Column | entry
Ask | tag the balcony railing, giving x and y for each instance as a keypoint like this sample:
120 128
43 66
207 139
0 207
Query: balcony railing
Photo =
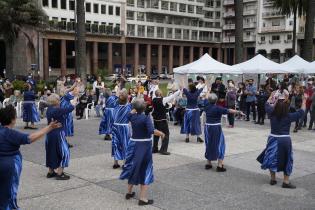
250 12
274 14
273 29
249 25
229 14
229 27
228 2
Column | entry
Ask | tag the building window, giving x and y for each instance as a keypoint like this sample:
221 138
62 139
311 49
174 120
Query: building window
149 18
199 10
182 7
150 31
110 10
140 3
130 29
88 7
276 23
140 16
95 8
194 35
141 30
178 33
130 15
247 33
173 6
289 37
130 3
217 15
191 8
160 32
117 11
63 4
165 5
45 3
276 38
72 5
291 23
262 39
186 34
154 4
54 3
169 33
218 3
103 9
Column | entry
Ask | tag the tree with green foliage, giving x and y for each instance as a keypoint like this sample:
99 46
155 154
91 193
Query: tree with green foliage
16 16
308 43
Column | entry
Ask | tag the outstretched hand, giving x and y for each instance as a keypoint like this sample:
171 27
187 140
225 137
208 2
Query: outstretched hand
133 111
162 135
55 124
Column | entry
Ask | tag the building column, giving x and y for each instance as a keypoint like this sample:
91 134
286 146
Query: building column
63 58
46 60
170 59
191 54
219 54
123 57
136 59
148 64
281 56
245 55
110 57
210 51
95 58
225 55
160 59
200 51
181 55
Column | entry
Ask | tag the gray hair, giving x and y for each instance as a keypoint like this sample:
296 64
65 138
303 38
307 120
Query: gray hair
139 105
53 99
107 92
213 98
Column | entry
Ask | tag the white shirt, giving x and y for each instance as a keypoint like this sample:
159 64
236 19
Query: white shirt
204 91
97 86
153 88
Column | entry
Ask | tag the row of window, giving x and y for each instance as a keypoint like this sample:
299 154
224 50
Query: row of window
97 9
165 5
56 19
276 38
177 33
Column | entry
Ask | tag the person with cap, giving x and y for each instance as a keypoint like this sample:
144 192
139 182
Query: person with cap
107 120
278 154
30 114
120 128
138 168
214 137
160 105
192 124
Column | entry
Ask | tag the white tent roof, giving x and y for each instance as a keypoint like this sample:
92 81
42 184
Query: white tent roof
260 65
206 65
311 68
296 64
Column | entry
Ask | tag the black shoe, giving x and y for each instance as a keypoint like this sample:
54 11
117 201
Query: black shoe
107 138
295 130
51 175
247 120
155 150
176 123
273 182
79 118
130 195
187 140
115 166
221 169
26 127
32 128
199 140
304 126
164 153
288 186
257 122
143 203
208 166
62 176
70 145
262 123
310 128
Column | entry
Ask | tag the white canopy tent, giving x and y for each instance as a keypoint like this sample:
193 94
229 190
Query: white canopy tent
311 68
206 65
261 65
297 64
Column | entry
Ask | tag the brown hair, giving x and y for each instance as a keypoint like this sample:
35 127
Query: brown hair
281 109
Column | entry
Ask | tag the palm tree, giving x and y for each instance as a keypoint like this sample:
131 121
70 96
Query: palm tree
238 31
15 17
307 50
81 40
288 8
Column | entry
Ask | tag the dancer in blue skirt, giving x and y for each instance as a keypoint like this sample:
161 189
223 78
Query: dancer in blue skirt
120 128
138 168
30 114
57 149
192 124
214 137
65 103
10 156
278 155
107 120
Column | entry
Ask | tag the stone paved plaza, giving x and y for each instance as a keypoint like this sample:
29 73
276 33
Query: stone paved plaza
180 179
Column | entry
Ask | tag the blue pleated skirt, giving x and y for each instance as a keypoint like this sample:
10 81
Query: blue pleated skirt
30 113
107 122
10 171
191 123
120 140
278 155
215 142
57 150
138 168
68 125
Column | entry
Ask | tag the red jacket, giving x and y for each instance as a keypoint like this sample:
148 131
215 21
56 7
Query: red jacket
309 92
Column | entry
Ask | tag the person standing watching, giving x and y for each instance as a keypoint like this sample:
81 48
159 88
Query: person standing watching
250 99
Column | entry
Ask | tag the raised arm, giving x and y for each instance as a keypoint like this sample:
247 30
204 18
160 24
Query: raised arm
171 97
39 134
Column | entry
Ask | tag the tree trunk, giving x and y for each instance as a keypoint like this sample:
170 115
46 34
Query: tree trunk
238 31
9 60
81 40
307 50
294 32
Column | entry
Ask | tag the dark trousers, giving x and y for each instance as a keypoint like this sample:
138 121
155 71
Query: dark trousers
231 119
250 105
80 109
179 115
163 127
261 112
303 121
312 121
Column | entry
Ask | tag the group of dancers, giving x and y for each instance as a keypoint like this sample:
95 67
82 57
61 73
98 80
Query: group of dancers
131 129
